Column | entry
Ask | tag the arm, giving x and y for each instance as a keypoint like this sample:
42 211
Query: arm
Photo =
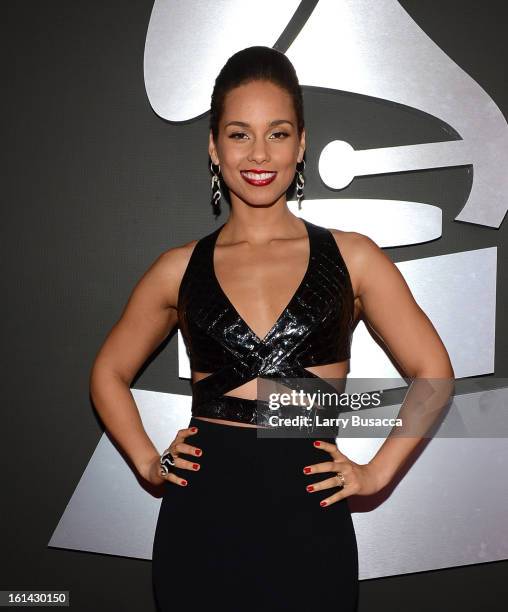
396 318
147 319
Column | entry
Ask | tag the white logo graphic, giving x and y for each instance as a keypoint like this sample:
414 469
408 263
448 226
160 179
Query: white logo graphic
372 48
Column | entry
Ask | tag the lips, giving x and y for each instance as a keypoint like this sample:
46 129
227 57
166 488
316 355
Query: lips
259 178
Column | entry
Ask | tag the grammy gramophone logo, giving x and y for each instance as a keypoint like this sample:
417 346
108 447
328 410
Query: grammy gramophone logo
370 48
344 46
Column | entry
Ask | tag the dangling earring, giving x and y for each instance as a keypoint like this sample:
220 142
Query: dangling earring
299 185
216 191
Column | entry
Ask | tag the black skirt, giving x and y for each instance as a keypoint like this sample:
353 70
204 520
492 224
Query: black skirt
245 535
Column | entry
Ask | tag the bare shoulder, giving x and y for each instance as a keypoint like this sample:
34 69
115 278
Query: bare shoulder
355 245
176 258
161 281
169 267
357 250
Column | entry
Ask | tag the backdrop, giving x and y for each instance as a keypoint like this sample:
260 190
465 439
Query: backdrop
104 175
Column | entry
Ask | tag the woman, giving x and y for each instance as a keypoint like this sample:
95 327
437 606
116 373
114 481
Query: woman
262 523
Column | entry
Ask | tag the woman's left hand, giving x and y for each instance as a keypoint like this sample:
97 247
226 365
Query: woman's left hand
359 479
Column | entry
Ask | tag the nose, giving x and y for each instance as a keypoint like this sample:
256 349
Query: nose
258 152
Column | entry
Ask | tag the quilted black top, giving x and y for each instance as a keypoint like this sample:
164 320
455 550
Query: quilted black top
314 329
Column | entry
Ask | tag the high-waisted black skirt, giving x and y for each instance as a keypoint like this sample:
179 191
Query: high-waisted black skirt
244 535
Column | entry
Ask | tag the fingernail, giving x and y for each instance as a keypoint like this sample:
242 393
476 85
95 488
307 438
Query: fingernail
310 488
198 452
307 470
323 503
183 482
317 443
195 466
193 429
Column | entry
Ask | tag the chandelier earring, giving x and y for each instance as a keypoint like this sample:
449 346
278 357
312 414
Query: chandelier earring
216 190
300 182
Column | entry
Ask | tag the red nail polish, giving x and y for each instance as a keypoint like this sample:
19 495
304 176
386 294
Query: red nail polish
183 482
323 503
193 429
310 488
198 452
317 443
195 466
306 470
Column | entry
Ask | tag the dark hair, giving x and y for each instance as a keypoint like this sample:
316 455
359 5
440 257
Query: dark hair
255 64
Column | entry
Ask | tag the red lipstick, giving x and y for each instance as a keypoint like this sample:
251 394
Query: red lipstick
267 176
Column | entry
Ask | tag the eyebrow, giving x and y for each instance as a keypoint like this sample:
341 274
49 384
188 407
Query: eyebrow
272 123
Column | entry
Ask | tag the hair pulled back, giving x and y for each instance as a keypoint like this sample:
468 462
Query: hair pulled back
255 64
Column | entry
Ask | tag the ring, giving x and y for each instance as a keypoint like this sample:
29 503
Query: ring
340 476
167 460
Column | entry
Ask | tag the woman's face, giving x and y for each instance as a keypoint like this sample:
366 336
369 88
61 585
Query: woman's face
258 131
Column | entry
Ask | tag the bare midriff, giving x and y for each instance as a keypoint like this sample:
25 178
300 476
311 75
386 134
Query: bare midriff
249 389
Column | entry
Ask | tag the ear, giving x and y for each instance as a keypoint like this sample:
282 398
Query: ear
301 146
212 151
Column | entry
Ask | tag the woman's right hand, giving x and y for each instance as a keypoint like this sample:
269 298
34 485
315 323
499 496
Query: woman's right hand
177 446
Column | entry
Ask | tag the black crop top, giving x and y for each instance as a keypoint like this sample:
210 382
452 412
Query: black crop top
314 329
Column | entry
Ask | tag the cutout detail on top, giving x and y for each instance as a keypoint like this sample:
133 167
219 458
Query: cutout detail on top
247 390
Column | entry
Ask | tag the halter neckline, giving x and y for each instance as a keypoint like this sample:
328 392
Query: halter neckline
291 301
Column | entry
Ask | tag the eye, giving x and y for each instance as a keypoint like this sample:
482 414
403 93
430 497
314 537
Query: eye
234 134
283 133
239 135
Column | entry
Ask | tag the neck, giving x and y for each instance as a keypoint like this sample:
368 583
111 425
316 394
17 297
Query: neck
260 224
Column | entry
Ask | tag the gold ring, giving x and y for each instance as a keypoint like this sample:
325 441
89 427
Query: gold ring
340 476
